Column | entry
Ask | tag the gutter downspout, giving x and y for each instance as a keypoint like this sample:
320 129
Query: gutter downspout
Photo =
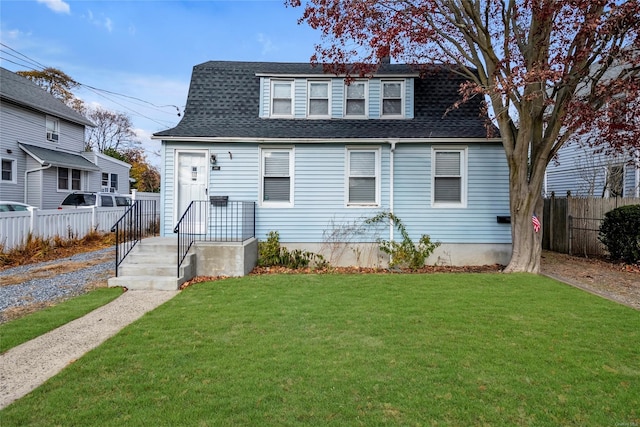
391 186
26 180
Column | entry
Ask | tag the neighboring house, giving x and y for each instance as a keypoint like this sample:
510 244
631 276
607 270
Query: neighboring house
587 173
41 148
318 156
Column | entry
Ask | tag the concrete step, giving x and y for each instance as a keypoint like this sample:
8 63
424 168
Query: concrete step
136 257
150 267
135 268
155 283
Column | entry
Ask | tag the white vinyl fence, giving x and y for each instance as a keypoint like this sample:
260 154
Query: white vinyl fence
48 223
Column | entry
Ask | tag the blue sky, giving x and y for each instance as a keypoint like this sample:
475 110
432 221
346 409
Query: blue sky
146 49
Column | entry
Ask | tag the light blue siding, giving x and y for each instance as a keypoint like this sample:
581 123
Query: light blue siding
374 98
408 102
488 196
300 98
319 192
337 98
264 98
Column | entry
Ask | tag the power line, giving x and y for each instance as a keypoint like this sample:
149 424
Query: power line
33 61
96 90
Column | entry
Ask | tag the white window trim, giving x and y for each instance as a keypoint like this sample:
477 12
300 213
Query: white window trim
14 171
464 170
269 204
366 101
319 116
272 83
403 96
56 129
377 150
69 178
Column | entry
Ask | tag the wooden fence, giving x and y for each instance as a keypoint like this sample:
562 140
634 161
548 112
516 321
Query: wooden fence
571 225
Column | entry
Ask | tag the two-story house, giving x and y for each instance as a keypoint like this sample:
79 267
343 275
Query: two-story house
42 148
320 154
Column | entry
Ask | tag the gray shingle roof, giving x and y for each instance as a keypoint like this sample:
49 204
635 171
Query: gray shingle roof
223 101
58 158
22 91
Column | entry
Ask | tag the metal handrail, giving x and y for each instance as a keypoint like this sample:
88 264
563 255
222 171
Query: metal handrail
215 220
138 221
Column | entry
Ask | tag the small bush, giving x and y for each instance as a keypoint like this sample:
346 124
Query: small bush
405 253
270 253
620 233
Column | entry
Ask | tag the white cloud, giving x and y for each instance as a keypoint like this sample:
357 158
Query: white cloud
267 44
105 22
58 6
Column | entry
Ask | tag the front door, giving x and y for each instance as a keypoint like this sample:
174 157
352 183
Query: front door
192 186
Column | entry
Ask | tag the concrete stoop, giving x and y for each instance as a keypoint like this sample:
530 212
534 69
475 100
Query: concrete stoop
152 265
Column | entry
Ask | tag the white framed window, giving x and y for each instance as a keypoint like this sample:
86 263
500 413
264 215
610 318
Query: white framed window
282 98
449 177
393 98
69 179
277 177
109 181
9 171
363 176
355 99
318 98
53 129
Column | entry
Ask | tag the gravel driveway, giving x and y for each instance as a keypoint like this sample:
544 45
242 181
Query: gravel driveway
42 283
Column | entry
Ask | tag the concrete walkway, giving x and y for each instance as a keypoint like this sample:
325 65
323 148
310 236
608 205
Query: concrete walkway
27 366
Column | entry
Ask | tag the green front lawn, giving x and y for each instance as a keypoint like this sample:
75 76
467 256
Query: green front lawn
439 349
21 330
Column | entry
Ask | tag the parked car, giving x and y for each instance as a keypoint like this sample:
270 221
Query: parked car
15 207
89 199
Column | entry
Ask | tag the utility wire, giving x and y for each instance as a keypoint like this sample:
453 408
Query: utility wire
39 67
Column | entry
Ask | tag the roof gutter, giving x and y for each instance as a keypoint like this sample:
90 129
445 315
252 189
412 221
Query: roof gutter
321 140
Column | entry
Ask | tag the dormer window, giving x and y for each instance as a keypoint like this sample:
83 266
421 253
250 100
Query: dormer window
282 98
392 99
53 129
356 99
318 105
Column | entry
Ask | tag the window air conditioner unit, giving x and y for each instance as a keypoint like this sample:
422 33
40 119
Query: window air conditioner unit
105 189
52 136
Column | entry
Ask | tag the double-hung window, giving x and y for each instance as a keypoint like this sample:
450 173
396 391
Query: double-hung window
392 98
355 99
110 181
318 103
69 179
8 171
449 177
363 175
53 129
282 98
277 176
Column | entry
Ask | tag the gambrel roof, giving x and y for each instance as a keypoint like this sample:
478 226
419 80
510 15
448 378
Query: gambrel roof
22 91
224 101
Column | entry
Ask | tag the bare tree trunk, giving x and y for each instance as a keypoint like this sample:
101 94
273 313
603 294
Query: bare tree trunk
526 243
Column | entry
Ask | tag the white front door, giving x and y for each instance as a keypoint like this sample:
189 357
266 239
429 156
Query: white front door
191 186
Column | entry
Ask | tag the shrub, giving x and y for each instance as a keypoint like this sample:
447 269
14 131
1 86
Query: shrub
405 253
620 233
270 253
